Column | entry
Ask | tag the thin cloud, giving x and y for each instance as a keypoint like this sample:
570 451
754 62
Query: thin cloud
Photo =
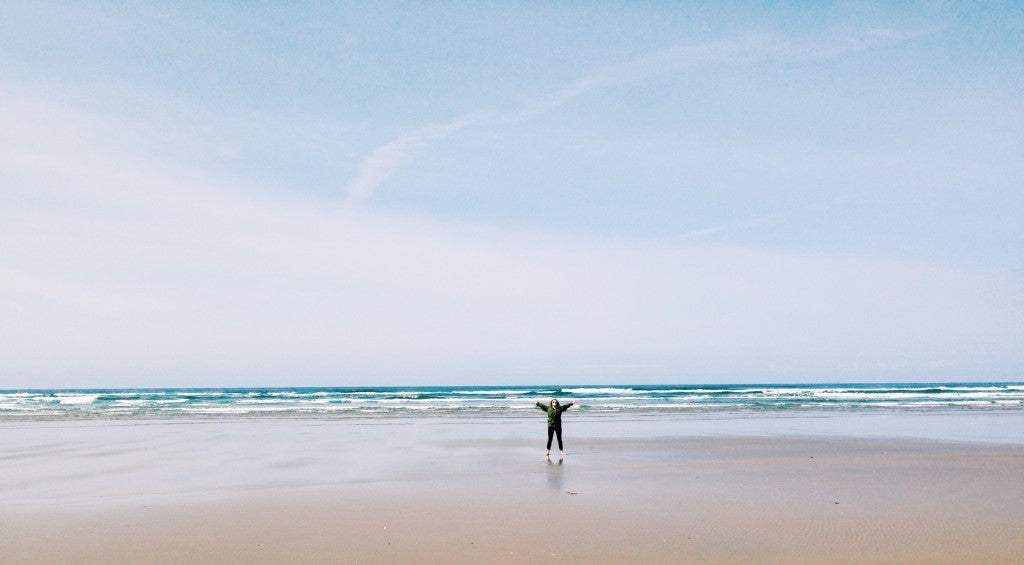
377 167
759 220
703 232
734 49
739 49
381 163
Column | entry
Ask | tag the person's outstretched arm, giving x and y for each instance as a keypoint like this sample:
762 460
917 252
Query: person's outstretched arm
540 406
565 407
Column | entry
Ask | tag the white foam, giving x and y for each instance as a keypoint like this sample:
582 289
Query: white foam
77 398
492 392
148 401
597 390
248 409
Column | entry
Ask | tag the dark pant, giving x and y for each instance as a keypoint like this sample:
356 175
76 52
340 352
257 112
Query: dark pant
557 430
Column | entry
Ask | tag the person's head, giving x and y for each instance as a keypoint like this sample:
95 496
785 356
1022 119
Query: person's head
554 403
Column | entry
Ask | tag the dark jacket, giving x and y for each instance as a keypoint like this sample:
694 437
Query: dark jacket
554 414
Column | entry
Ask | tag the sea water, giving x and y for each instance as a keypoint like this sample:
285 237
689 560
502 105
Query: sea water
510 401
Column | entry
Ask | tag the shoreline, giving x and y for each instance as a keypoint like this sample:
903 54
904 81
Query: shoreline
301 491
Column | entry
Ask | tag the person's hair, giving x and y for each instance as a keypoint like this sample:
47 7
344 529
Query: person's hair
555 401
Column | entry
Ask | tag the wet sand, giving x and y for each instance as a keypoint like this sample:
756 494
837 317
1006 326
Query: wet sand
340 492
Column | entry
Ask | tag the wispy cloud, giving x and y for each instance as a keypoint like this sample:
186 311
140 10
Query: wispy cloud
774 217
734 50
382 162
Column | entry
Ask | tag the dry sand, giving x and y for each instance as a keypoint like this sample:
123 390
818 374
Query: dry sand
667 500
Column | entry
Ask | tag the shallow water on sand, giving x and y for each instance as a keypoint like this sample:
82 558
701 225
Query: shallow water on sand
84 462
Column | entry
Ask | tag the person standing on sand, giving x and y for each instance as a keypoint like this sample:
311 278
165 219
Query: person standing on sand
554 411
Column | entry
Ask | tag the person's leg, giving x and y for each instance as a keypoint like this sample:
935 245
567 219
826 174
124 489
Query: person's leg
551 432
558 432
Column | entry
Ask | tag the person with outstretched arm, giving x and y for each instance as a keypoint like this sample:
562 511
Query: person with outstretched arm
554 410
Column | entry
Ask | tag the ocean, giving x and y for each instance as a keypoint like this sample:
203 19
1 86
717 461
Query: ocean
509 401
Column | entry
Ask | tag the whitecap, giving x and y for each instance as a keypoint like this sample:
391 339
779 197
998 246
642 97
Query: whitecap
77 398
597 390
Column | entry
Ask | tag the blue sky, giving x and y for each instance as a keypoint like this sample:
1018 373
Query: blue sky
238 194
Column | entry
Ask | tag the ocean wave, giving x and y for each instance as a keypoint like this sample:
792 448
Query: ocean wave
585 391
510 400
76 398
488 392
149 401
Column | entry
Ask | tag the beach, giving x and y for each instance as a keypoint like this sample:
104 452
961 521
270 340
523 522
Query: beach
480 490
297 282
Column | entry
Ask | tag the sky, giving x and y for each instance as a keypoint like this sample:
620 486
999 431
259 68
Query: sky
347 194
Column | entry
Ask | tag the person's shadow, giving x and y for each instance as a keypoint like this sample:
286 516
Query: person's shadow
556 480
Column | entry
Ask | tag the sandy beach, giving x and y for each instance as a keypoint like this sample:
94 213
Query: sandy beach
297 282
442 492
